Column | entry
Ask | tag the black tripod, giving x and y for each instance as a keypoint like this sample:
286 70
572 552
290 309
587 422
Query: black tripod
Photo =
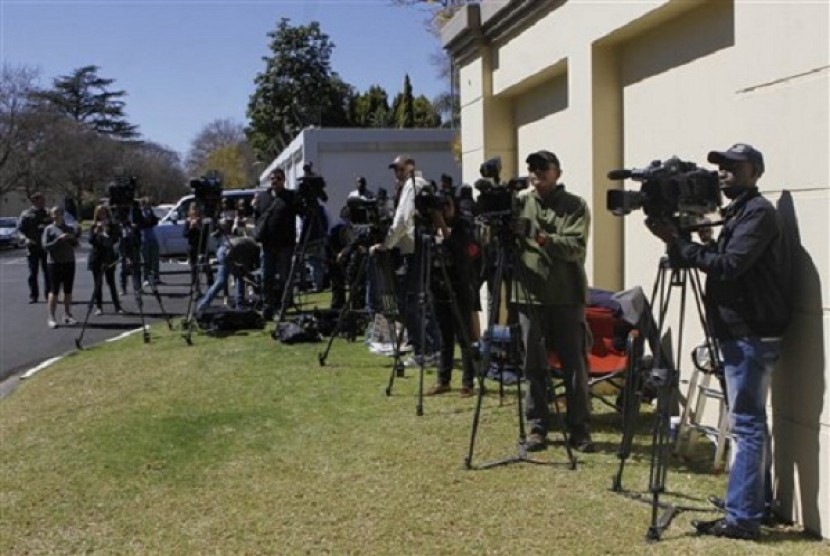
429 255
664 380
507 258
311 220
202 264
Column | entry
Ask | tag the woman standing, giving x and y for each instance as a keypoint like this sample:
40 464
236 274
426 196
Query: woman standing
103 236
59 241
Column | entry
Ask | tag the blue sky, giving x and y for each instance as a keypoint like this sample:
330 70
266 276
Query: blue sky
185 63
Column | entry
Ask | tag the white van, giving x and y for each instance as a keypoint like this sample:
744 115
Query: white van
170 230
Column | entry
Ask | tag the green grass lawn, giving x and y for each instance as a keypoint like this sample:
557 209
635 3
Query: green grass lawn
242 445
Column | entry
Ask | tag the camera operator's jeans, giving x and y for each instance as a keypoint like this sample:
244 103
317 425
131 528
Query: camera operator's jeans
426 339
748 364
559 327
223 272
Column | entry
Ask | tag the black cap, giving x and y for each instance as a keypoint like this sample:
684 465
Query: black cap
740 152
542 159
361 181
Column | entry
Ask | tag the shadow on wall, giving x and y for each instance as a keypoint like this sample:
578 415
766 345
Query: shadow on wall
798 390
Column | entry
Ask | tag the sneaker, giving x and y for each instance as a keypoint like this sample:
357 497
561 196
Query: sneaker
99 312
418 360
536 442
439 389
722 528
770 519
52 323
69 320
119 310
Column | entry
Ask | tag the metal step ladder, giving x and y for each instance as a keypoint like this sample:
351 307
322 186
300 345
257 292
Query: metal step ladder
703 388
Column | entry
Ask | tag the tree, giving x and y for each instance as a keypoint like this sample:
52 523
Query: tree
372 108
424 113
158 169
222 146
297 88
16 118
85 97
403 106
439 11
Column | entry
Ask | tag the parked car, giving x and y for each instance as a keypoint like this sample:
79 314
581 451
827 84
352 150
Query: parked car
161 210
8 233
170 230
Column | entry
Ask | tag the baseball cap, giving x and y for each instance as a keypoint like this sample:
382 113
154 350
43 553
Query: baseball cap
542 160
401 160
361 181
740 152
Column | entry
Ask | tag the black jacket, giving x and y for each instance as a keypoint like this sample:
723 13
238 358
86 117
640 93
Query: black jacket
280 228
748 271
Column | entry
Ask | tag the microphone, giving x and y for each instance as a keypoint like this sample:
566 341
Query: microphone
619 174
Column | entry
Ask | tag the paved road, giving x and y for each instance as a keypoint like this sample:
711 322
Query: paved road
26 340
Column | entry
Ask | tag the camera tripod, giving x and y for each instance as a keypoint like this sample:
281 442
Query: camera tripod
310 220
664 379
202 266
507 258
384 292
428 256
131 257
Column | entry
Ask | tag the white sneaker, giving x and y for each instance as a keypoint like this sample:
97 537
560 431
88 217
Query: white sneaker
99 312
415 360
68 320
52 323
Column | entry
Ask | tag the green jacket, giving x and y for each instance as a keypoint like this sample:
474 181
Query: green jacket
554 272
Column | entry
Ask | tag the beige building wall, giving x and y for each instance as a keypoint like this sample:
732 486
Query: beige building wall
617 84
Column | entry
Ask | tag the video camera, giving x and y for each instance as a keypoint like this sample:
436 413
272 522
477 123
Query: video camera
495 199
208 190
122 192
430 198
674 189
312 188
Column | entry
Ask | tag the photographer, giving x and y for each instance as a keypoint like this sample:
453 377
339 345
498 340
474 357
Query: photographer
401 235
362 191
129 246
31 224
276 229
224 268
453 247
550 292
748 287
103 235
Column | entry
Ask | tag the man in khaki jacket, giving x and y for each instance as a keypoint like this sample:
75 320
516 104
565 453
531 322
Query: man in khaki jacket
549 290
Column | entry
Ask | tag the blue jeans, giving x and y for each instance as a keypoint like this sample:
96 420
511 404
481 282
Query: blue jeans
223 272
748 364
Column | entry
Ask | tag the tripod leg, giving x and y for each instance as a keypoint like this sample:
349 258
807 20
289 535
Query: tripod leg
397 366
344 311
80 337
154 288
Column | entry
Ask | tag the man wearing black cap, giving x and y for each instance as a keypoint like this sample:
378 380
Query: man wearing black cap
31 224
748 285
549 290
401 234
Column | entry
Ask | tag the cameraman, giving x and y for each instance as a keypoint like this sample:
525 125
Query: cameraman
549 291
748 285
276 212
149 243
31 224
401 234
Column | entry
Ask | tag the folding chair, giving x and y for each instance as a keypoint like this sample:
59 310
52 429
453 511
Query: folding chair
614 358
